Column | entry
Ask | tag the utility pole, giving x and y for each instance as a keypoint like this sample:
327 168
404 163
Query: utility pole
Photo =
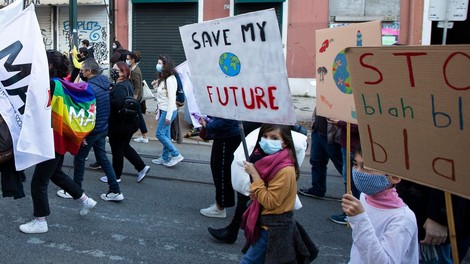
73 23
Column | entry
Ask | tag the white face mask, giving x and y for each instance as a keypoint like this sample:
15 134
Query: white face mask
270 146
114 46
128 62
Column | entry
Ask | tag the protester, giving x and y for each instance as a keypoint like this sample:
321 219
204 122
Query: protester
166 86
225 134
91 50
52 169
354 141
90 73
77 58
241 181
383 227
323 148
273 235
133 59
119 53
121 129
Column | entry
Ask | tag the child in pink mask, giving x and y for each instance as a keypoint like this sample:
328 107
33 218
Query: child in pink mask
384 229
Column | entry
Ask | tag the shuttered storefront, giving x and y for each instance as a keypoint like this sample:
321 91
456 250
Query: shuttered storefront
92 24
246 6
155 31
43 14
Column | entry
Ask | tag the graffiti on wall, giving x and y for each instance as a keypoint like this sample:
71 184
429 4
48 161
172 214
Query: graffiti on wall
95 33
47 41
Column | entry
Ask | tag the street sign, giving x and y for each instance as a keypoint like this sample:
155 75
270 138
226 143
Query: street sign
451 10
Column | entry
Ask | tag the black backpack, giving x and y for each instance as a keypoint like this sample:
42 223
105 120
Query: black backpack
180 97
6 142
129 107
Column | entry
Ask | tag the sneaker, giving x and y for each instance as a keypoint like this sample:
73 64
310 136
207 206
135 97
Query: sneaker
173 161
142 173
95 166
105 179
88 204
111 196
64 194
141 139
213 211
310 193
339 219
34 227
158 161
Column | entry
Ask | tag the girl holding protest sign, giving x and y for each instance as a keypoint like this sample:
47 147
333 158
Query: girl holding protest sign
273 235
384 228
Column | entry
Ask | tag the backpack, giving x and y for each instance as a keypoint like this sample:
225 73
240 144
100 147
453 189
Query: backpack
6 142
180 97
129 107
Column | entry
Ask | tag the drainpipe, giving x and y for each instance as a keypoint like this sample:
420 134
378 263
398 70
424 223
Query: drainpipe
73 22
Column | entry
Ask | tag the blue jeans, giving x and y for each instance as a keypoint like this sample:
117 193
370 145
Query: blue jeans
163 134
355 192
320 153
257 252
443 254
98 142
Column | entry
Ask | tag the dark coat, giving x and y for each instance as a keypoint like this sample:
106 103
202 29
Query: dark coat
100 86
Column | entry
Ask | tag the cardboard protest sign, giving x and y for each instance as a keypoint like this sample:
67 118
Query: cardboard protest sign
413 109
334 87
238 69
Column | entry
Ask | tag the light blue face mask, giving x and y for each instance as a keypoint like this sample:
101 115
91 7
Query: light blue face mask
369 183
159 67
270 146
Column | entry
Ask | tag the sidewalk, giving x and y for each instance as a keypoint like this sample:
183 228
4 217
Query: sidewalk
303 106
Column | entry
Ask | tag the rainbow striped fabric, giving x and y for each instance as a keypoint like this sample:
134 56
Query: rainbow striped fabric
73 114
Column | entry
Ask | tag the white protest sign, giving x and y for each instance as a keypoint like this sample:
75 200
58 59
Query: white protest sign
24 86
238 69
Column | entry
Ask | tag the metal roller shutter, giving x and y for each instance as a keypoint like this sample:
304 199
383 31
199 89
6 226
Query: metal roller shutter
92 25
242 8
43 14
156 32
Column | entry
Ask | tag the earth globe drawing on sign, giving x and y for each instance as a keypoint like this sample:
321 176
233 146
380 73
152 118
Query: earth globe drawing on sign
229 64
341 74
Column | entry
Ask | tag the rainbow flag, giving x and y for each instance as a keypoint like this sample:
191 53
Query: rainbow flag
73 114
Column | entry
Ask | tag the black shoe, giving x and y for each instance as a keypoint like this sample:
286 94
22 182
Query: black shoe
95 166
224 234
310 193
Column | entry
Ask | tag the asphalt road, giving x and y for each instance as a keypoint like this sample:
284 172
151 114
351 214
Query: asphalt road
159 220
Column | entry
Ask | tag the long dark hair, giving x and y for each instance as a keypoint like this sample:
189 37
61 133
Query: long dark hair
286 135
124 68
168 68
58 64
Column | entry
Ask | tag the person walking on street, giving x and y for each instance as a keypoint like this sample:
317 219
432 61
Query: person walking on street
91 50
166 86
90 73
226 138
52 169
122 128
133 59
324 147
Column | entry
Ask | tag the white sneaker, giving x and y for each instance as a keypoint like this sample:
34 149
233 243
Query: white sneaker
88 204
34 227
141 139
110 196
213 211
105 179
142 173
158 161
173 161
64 194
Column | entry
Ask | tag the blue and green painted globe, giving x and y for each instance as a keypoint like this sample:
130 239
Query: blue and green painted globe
229 64
341 73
